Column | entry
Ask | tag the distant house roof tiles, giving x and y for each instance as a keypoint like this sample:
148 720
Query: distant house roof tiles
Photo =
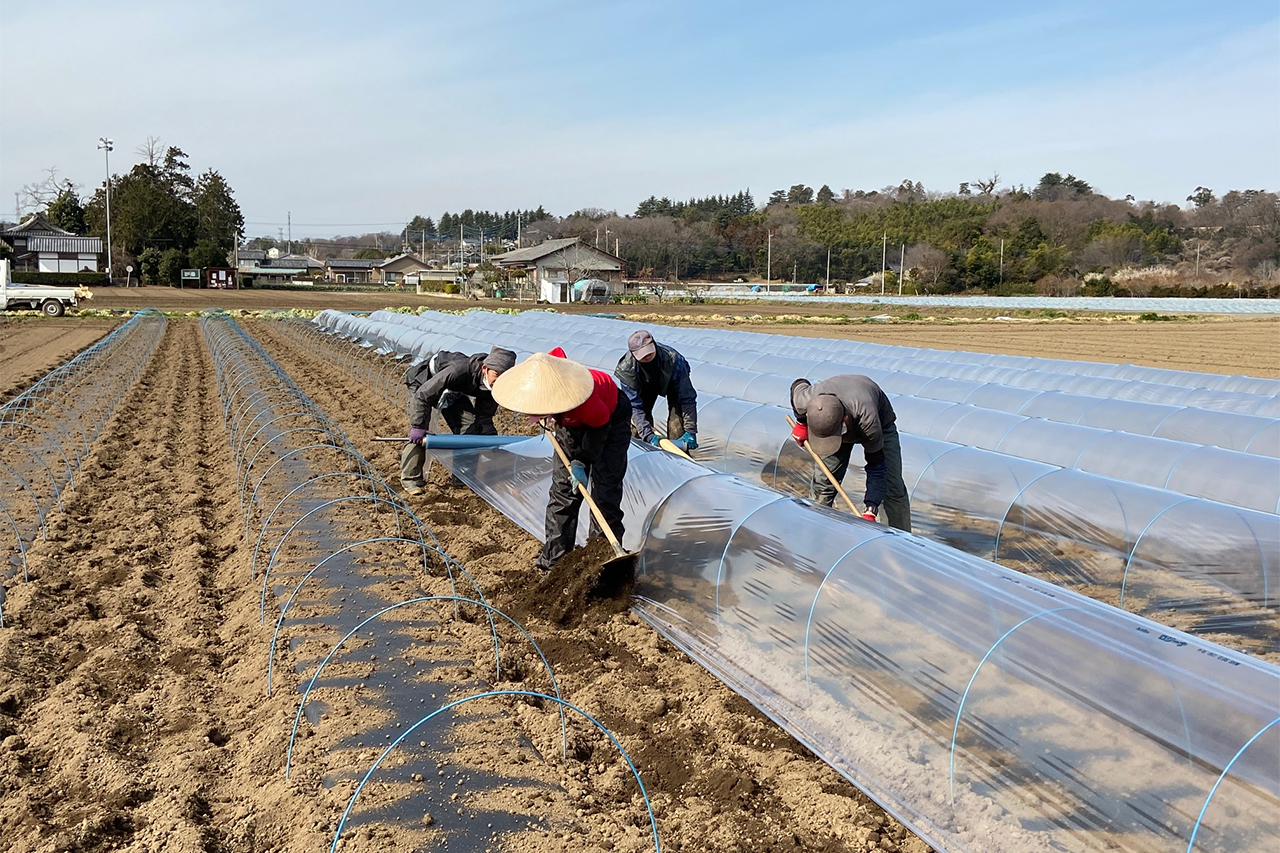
352 263
78 245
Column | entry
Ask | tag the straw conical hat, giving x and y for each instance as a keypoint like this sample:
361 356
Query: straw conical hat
543 385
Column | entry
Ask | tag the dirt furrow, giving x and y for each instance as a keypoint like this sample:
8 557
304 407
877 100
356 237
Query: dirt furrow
129 715
32 346
722 776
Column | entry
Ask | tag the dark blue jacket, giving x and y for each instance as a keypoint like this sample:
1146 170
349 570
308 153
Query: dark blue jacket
666 376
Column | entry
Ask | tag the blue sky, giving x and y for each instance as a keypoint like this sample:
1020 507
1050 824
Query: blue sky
360 116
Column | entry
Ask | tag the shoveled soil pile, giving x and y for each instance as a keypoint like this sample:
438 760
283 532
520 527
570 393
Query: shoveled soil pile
132 709
576 592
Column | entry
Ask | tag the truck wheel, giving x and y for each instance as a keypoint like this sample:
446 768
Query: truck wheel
52 308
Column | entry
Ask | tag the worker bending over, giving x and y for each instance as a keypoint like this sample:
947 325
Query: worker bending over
458 386
838 413
590 419
651 370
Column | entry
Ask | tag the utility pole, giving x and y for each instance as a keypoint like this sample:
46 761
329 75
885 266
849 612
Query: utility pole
828 267
597 238
884 248
1002 262
768 264
795 272
902 268
482 246
518 223
289 220
617 247
106 145
462 247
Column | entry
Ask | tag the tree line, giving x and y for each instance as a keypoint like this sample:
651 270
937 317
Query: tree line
162 217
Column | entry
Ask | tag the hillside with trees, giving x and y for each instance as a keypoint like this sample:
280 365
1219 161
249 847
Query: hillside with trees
1058 238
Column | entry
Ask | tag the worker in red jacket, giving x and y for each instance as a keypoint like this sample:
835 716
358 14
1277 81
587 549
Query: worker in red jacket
591 420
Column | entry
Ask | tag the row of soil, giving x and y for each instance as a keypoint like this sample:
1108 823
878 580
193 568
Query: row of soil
132 713
32 346
721 775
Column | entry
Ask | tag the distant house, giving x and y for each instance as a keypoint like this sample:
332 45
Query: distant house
304 262
247 259
40 245
555 265
350 270
394 270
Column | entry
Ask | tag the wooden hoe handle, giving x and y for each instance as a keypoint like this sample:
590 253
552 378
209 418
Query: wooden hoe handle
827 471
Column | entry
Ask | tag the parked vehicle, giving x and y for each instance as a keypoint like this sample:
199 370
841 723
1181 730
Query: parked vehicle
50 300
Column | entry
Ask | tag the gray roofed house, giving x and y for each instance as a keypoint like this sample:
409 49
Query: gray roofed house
38 244
555 265
305 262
350 270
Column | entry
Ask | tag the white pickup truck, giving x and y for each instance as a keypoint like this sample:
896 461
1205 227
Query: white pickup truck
50 300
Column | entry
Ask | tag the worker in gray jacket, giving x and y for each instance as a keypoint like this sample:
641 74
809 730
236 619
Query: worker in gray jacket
838 413
651 370
458 386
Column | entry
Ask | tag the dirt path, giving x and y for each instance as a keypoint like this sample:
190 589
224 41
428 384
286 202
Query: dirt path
722 776
32 346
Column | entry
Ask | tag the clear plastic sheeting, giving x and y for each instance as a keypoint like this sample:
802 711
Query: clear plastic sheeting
1033 433
1173 304
1121 541
907 370
987 710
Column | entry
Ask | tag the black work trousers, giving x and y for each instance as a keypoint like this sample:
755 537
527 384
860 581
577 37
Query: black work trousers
606 473
458 411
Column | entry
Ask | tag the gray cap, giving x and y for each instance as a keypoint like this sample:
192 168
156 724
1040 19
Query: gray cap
500 359
825 419
641 344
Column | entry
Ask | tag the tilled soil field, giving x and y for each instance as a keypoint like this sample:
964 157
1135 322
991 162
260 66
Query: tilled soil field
31 346
132 708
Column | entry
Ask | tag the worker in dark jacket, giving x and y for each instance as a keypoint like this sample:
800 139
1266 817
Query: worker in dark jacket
591 421
838 413
458 386
651 370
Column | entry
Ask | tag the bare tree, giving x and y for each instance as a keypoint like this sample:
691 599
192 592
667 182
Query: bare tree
44 192
152 151
987 186
927 265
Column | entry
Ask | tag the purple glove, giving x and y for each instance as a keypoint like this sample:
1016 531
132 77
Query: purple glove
417 436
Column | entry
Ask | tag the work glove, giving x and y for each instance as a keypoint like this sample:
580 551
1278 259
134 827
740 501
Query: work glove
578 474
688 441
417 436
870 512
800 433
655 440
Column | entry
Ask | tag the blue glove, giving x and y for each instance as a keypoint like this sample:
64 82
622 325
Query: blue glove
655 440
689 440
578 474
416 436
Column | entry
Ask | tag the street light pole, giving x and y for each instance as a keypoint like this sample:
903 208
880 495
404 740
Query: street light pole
106 146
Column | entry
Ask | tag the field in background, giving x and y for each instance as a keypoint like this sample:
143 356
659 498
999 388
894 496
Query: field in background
1212 344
